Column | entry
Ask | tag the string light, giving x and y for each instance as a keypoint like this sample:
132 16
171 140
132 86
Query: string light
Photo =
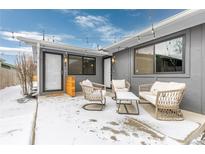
43 35
12 35
87 39
139 37
53 39
153 32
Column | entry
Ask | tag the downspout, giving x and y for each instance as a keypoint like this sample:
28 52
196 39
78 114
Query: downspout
130 65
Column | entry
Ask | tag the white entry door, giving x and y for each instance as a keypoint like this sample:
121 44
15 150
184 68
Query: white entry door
107 72
53 72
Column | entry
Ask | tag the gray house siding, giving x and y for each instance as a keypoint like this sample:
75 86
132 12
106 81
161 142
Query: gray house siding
121 69
203 69
194 76
94 78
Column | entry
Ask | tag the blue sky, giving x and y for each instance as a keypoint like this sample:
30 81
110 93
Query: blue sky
83 28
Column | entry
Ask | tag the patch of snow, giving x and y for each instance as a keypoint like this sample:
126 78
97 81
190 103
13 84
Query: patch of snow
16 130
178 130
16 119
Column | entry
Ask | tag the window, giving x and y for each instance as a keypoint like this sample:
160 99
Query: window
169 55
78 65
88 65
144 60
163 57
75 65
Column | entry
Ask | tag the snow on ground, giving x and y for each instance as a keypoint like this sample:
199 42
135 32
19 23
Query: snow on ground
16 118
61 120
178 130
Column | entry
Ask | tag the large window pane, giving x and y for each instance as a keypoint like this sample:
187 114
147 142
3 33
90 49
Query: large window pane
88 65
74 65
169 55
144 60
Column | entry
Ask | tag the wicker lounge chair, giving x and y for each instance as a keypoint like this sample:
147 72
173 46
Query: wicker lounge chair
94 92
120 86
166 97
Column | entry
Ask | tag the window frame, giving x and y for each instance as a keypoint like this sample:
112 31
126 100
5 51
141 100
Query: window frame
148 45
94 58
153 43
82 57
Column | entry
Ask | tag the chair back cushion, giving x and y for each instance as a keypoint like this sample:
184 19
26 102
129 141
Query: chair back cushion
119 84
159 86
164 86
87 83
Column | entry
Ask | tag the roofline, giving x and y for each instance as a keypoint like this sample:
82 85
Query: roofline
64 47
158 25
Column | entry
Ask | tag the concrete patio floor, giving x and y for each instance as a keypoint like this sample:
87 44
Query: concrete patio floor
188 115
61 120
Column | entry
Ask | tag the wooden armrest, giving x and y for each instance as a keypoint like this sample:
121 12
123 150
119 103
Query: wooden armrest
99 85
97 88
170 91
127 84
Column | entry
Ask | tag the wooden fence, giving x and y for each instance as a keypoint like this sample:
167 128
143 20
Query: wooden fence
8 77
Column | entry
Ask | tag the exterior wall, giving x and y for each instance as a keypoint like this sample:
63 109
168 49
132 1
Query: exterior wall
203 69
94 78
194 76
121 68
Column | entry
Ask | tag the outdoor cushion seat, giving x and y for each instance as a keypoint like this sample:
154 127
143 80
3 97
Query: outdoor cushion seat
149 96
87 83
166 97
94 92
159 86
120 86
97 93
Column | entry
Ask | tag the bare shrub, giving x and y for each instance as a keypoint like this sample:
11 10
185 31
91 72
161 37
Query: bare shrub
25 70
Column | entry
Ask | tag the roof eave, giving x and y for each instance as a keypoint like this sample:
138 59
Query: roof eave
162 23
63 47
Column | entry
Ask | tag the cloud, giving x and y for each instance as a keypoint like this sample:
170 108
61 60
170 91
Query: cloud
15 51
106 31
35 35
70 11
133 12
90 21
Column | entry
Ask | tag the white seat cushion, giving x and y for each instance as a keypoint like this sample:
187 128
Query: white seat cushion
87 83
149 96
119 84
97 93
121 90
159 86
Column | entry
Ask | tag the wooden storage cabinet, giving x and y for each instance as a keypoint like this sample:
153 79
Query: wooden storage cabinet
70 85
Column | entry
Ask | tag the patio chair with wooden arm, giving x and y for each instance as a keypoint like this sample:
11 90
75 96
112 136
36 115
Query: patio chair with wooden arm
94 93
166 97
